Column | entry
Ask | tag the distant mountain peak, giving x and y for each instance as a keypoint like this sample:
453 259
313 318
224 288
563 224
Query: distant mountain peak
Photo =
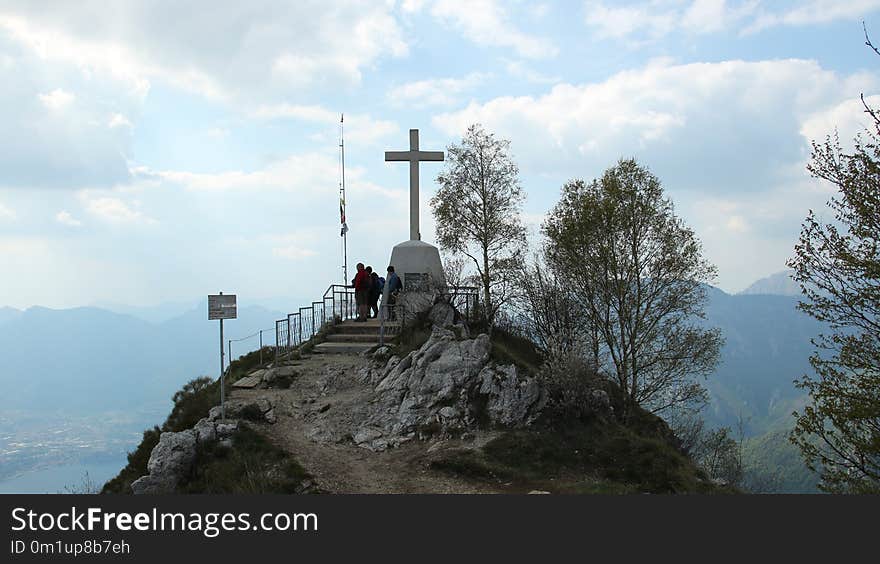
779 284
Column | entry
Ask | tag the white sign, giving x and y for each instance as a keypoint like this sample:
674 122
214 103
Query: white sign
222 306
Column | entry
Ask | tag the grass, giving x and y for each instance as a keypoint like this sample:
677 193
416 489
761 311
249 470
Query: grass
509 348
414 334
596 457
251 464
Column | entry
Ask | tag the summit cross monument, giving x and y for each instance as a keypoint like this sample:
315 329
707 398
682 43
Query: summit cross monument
416 262
414 156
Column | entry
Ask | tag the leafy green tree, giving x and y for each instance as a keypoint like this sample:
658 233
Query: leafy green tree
837 265
477 210
639 276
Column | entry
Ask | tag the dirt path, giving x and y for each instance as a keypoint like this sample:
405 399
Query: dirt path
314 421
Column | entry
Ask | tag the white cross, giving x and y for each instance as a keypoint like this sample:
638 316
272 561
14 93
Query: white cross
414 156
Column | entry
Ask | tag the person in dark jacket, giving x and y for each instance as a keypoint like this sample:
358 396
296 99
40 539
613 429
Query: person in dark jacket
375 292
361 285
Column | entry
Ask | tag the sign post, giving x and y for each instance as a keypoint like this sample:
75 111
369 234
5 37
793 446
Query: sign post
222 307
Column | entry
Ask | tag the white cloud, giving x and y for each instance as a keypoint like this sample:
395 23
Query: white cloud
814 12
114 210
521 70
435 91
58 136
64 218
360 128
732 136
664 111
737 224
619 22
118 120
6 213
308 175
223 50
293 252
485 22
650 20
848 119
57 99
218 133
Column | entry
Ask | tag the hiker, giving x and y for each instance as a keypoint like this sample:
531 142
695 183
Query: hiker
375 292
361 285
392 289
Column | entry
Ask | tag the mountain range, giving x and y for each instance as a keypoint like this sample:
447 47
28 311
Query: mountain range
91 364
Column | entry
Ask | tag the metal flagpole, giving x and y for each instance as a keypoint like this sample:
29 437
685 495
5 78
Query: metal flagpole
222 402
344 228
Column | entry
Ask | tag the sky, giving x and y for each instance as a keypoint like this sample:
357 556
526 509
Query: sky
155 151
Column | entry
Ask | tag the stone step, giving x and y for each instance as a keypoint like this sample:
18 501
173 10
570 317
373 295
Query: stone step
368 327
342 348
248 382
353 338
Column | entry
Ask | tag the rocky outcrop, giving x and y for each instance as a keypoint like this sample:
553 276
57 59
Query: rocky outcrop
259 410
171 460
447 385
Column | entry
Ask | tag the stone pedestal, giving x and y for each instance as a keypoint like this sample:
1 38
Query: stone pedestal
418 265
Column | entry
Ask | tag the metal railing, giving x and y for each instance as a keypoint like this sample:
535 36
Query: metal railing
338 305
465 300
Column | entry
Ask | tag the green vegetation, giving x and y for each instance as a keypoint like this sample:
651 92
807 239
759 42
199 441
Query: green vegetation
510 348
477 209
137 464
251 464
773 464
191 403
415 333
639 276
594 457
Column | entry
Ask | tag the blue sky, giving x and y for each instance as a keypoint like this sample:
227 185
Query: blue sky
157 151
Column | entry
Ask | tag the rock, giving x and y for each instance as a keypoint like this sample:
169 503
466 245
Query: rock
512 401
448 413
324 408
366 435
442 314
285 373
205 431
253 410
270 417
436 446
147 485
226 429
169 462
446 387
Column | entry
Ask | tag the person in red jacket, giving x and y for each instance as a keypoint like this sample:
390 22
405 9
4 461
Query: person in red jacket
361 292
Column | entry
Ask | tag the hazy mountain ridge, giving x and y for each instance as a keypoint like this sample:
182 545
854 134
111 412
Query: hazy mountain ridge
779 284
89 358
8 314
91 361
767 347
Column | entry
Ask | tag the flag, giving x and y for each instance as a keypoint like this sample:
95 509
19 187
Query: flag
342 218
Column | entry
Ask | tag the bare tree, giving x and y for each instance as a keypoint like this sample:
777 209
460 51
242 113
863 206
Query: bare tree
477 210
